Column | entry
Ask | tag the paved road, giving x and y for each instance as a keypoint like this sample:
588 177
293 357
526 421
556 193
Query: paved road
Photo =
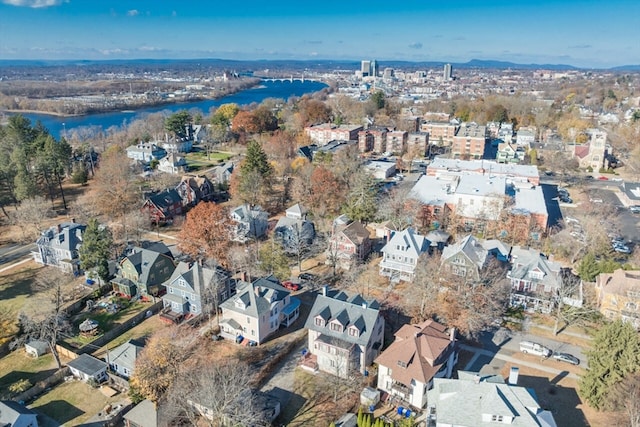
15 252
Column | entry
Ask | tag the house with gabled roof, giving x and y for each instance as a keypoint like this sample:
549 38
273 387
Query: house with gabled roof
122 359
346 333
58 246
293 230
535 280
474 400
468 257
172 163
142 273
400 254
191 286
162 207
145 152
251 222
420 353
258 310
14 414
194 189
349 244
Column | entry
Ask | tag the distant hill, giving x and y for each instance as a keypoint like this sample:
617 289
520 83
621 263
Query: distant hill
315 64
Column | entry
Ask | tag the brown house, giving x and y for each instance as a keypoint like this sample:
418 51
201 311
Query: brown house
349 244
163 207
195 188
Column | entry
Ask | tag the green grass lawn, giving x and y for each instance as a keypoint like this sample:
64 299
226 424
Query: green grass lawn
141 331
198 160
72 403
18 365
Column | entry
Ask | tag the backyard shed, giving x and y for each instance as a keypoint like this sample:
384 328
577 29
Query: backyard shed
36 348
369 397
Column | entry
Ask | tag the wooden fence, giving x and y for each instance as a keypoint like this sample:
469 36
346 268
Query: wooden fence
41 386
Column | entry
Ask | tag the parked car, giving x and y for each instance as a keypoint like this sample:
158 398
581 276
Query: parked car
566 357
603 178
634 209
307 276
565 199
534 348
291 286
622 249
616 179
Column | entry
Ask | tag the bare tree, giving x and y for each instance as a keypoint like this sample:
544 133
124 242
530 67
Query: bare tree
344 379
625 396
215 393
31 216
49 322
422 298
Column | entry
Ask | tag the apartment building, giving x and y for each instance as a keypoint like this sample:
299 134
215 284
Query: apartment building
469 142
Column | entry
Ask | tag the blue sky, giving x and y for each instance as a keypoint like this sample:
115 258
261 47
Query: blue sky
588 33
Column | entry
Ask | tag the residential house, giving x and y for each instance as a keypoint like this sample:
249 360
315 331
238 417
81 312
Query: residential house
505 133
535 280
193 285
264 406
182 144
492 129
258 310
14 414
420 353
58 246
143 273
173 164
629 193
346 333
222 172
163 207
469 257
400 254
194 189
349 244
36 348
145 152
122 359
618 295
87 367
474 400
294 231
510 153
525 137
469 142
250 223
144 414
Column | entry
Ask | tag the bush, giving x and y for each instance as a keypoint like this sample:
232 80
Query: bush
20 386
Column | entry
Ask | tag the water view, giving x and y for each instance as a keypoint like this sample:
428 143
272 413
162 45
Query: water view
268 89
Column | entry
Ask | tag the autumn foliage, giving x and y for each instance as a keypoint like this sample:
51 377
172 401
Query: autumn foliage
206 232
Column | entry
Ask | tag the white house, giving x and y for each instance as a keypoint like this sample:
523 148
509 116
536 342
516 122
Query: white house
173 164
419 354
400 254
250 222
122 359
87 367
58 246
145 152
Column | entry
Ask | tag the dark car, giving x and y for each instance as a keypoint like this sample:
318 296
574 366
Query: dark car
306 276
566 357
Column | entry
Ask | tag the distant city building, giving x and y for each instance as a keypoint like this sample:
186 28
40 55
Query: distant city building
365 68
448 72
374 68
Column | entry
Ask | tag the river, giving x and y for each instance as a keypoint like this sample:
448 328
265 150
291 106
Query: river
268 89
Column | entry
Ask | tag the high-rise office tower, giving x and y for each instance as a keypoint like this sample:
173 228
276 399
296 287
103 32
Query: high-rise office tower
365 67
448 72
374 68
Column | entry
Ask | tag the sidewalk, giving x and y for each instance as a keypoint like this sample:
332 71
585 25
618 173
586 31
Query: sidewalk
480 352
571 334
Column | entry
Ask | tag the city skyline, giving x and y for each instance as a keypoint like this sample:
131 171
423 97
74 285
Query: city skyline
588 33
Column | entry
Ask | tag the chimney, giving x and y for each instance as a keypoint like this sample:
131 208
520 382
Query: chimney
256 289
513 375
364 304
243 276
325 290
452 334
476 378
73 220
59 228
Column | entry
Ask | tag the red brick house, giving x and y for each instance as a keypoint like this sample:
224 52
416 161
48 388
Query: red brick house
163 207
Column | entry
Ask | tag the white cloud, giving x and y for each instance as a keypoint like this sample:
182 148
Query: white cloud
132 12
34 3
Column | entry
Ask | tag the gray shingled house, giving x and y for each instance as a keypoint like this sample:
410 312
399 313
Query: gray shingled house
58 246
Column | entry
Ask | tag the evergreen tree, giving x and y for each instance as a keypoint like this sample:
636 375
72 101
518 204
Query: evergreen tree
256 160
615 354
362 204
177 123
95 250
360 420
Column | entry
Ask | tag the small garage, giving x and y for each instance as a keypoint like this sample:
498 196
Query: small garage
36 348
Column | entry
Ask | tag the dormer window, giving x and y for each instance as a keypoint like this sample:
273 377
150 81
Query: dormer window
319 321
353 331
336 327
240 304
402 363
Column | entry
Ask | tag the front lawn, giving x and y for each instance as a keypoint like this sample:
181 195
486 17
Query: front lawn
15 288
72 403
139 332
18 365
